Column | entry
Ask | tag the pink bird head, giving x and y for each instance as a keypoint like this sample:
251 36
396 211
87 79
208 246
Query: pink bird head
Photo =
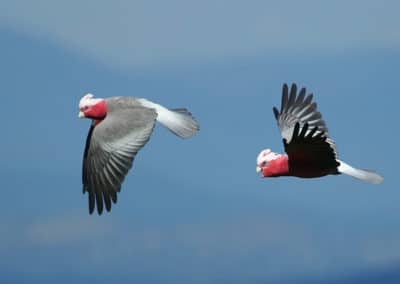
268 162
264 157
90 107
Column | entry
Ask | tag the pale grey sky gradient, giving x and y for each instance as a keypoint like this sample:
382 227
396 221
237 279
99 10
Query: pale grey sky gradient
130 34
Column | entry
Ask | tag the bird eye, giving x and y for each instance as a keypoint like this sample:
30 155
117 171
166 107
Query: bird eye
264 163
85 107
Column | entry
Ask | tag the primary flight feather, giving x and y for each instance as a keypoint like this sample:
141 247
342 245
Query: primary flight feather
309 151
120 127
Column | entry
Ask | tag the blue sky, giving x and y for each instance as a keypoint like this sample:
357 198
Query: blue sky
195 211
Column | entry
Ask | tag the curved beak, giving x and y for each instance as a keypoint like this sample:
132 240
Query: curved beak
258 169
81 114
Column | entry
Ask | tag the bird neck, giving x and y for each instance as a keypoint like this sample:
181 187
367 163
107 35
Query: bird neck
277 167
96 122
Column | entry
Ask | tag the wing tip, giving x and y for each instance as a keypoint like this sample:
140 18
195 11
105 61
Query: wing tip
276 112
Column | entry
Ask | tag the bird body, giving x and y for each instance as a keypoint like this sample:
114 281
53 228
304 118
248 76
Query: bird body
120 127
310 152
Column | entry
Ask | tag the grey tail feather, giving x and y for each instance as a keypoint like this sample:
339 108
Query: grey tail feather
182 123
182 110
179 121
365 175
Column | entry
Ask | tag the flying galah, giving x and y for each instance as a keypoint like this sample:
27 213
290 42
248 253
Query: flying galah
120 127
310 152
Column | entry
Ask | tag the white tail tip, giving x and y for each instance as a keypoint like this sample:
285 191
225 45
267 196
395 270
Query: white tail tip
179 121
368 176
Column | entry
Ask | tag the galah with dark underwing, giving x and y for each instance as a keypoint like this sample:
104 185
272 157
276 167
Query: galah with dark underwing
310 153
120 127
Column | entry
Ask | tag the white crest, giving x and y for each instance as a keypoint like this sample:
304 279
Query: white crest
267 155
88 100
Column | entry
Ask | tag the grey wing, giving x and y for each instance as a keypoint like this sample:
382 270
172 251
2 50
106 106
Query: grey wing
297 109
110 150
303 130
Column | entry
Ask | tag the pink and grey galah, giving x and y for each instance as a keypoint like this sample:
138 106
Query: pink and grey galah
120 127
310 153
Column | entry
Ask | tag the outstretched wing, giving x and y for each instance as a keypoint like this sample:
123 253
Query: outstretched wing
110 149
304 133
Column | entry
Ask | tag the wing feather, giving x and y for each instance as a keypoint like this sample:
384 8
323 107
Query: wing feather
301 96
284 97
304 132
110 150
91 200
292 98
